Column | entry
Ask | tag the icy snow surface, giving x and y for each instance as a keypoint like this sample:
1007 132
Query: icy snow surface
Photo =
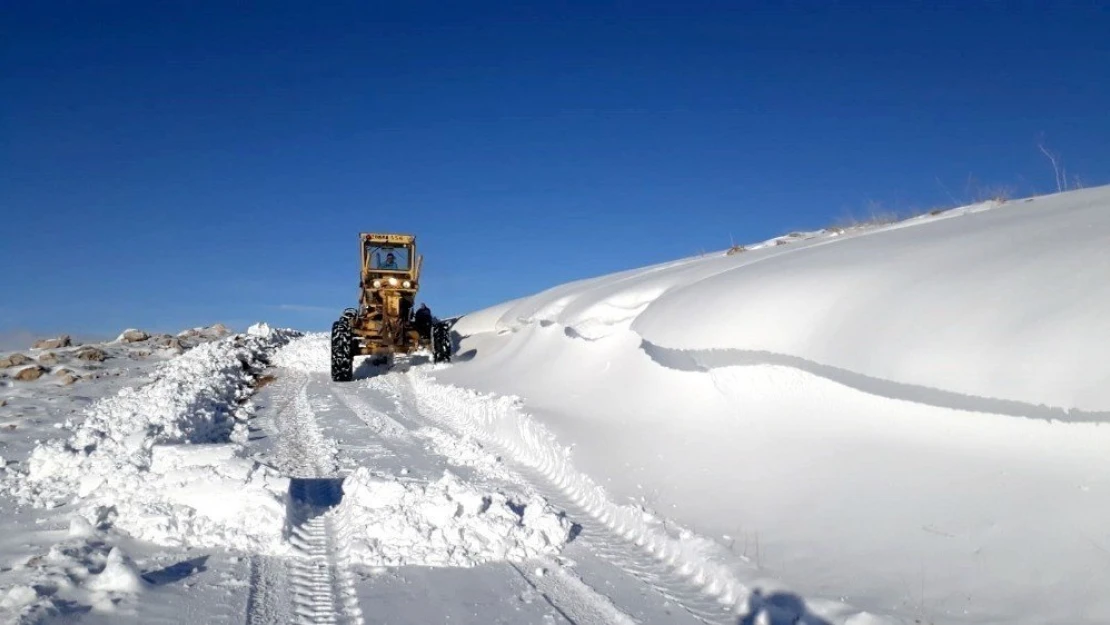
905 421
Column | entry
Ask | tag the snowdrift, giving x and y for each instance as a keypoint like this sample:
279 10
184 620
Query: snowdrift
908 418
987 301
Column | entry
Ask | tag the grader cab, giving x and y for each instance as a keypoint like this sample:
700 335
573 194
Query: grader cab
385 322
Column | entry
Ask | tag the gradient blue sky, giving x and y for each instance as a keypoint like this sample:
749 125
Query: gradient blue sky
165 165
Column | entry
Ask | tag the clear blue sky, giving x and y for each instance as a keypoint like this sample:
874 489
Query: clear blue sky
165 165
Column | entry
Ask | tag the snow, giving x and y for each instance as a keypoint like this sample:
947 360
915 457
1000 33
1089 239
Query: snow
896 423
156 463
310 354
443 523
877 425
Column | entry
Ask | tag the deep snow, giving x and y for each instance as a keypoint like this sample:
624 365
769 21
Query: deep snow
909 419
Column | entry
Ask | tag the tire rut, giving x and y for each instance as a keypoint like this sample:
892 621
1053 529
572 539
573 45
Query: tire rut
314 586
596 537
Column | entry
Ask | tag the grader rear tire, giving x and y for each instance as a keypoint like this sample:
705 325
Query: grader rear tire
441 343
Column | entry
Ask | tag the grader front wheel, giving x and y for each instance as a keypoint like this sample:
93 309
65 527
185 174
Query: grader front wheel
342 358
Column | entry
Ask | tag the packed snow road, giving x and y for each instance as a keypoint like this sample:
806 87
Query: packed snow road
237 483
397 518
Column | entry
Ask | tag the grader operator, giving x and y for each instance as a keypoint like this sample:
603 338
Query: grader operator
385 323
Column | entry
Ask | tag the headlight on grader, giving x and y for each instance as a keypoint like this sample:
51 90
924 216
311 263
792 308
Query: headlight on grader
393 282
406 284
377 284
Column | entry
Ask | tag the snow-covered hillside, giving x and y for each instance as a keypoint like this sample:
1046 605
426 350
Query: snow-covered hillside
910 418
897 424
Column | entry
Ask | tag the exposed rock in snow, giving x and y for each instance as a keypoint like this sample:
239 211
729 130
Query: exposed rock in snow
48 358
132 335
30 374
67 378
14 360
92 354
54 343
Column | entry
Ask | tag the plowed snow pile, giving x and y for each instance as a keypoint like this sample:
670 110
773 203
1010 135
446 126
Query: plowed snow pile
310 354
908 421
387 522
161 461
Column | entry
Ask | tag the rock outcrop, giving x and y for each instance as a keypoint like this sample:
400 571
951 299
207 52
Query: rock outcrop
92 354
29 374
14 360
54 343
131 335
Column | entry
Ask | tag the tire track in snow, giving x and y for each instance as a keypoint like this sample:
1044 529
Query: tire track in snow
572 598
567 594
322 587
677 567
631 556
315 587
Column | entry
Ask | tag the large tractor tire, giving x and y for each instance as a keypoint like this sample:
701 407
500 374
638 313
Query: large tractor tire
342 358
441 342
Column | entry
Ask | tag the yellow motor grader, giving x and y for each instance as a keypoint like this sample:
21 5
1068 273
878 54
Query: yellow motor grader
385 322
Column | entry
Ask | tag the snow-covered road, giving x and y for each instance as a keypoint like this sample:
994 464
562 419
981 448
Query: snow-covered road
379 430
239 484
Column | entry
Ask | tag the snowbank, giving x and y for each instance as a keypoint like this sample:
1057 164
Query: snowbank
987 301
310 353
851 414
162 457
388 522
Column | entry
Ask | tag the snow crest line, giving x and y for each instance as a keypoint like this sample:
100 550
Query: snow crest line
706 360
501 421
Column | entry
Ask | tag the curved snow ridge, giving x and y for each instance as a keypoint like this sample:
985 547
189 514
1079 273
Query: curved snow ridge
501 421
596 307
707 360
166 456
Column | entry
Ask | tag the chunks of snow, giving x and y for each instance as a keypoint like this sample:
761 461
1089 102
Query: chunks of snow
83 569
260 329
444 523
118 575
160 455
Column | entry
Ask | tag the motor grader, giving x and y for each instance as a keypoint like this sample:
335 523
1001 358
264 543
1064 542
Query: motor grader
385 322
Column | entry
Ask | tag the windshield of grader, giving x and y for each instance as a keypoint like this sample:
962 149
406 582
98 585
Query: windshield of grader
388 258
